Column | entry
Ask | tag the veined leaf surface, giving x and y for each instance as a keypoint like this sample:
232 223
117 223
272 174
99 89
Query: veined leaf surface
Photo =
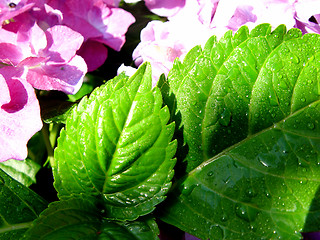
117 147
248 109
19 207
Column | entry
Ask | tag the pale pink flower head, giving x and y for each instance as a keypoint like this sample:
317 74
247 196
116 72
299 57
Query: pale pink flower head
20 114
159 46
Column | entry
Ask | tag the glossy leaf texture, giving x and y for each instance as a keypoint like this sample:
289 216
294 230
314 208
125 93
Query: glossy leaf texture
142 229
23 171
248 110
117 148
19 207
78 218
70 219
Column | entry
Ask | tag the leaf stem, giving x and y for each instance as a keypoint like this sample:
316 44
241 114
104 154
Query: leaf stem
17 226
45 134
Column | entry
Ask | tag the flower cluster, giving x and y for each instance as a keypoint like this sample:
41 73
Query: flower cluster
192 22
49 45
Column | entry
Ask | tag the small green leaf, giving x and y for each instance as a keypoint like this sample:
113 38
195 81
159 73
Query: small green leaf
19 207
23 171
71 219
146 229
117 147
78 218
248 110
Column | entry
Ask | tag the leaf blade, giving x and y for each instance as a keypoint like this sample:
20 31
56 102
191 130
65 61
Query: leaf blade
253 138
119 148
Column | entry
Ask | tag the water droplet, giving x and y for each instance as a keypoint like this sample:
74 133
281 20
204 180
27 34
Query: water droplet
263 162
302 99
273 99
251 193
246 213
311 125
216 232
187 190
225 117
303 181
210 173
224 218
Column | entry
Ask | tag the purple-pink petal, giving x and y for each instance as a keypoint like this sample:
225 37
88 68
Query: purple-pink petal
20 114
62 77
94 53
62 43
165 8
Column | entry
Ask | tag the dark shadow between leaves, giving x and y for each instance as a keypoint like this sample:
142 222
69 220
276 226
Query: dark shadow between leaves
311 229
169 99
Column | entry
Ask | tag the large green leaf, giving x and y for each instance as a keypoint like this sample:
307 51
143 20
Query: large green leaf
19 207
117 147
248 110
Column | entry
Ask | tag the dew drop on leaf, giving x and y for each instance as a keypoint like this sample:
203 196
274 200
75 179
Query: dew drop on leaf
225 117
310 125
210 173
246 213
216 232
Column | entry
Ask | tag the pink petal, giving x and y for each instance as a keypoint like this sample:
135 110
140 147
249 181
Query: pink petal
10 54
94 53
20 115
116 22
63 43
165 8
62 77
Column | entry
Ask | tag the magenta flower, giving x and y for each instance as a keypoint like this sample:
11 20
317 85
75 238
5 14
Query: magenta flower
50 61
20 114
97 22
10 9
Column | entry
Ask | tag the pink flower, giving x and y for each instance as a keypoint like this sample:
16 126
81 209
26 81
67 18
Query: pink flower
50 61
159 46
20 114
197 20
97 22
165 8
10 9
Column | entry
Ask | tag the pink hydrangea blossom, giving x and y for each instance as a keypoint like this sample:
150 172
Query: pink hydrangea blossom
97 21
20 114
196 21
51 63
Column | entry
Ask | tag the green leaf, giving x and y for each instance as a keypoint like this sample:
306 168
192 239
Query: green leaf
19 207
77 218
117 147
71 219
23 171
248 110
145 229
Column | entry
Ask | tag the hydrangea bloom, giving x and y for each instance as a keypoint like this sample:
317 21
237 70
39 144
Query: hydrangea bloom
40 43
49 61
203 18
97 22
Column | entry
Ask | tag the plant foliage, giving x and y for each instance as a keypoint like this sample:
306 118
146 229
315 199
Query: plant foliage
247 111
